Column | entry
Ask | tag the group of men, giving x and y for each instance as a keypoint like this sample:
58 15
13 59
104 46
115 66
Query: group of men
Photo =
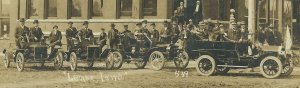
143 37
182 14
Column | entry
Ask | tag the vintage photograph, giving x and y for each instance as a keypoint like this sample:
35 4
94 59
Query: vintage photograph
150 43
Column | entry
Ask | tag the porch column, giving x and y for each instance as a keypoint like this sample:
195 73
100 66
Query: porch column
251 19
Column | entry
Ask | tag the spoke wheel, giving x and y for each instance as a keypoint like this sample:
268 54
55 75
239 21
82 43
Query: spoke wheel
271 67
6 60
110 61
20 62
58 61
288 68
206 65
222 70
157 60
140 64
118 60
182 61
90 61
73 61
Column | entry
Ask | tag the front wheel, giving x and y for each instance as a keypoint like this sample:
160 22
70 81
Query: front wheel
118 60
73 61
206 65
58 61
182 60
271 67
110 61
157 60
6 60
288 68
20 62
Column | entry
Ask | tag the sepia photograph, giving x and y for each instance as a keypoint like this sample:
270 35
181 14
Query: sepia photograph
149 43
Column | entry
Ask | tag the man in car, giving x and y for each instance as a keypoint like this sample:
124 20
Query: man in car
36 32
71 33
21 33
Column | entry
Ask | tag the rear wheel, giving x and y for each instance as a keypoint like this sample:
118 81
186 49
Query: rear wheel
58 61
182 60
20 62
110 61
206 65
90 61
6 60
118 60
288 68
271 67
73 61
157 60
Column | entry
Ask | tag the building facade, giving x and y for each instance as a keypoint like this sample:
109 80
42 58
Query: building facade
101 13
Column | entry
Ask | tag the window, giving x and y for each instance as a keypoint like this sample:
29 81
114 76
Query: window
4 19
150 7
97 7
76 8
126 8
33 6
5 8
51 8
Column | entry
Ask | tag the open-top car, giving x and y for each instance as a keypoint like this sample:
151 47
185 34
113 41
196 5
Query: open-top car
218 57
169 52
87 51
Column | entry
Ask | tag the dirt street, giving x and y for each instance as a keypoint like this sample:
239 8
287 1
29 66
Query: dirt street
129 77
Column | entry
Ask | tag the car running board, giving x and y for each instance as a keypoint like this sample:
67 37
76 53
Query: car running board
232 66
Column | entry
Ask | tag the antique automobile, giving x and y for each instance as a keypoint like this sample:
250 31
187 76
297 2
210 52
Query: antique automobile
218 57
128 51
86 51
30 52
169 52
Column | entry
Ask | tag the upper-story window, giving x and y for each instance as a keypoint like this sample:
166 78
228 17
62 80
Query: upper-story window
150 7
125 7
76 8
97 8
33 6
51 8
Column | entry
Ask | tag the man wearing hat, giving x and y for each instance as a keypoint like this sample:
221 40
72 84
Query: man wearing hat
71 33
85 33
102 39
21 33
140 37
113 37
166 33
145 29
273 36
127 41
55 39
243 34
175 32
154 33
126 30
197 12
36 32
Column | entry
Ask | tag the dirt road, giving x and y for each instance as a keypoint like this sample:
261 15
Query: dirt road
129 77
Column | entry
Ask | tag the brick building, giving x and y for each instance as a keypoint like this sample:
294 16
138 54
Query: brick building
101 13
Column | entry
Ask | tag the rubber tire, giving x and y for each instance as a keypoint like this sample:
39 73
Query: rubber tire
58 61
20 61
73 61
185 64
162 59
279 63
213 62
